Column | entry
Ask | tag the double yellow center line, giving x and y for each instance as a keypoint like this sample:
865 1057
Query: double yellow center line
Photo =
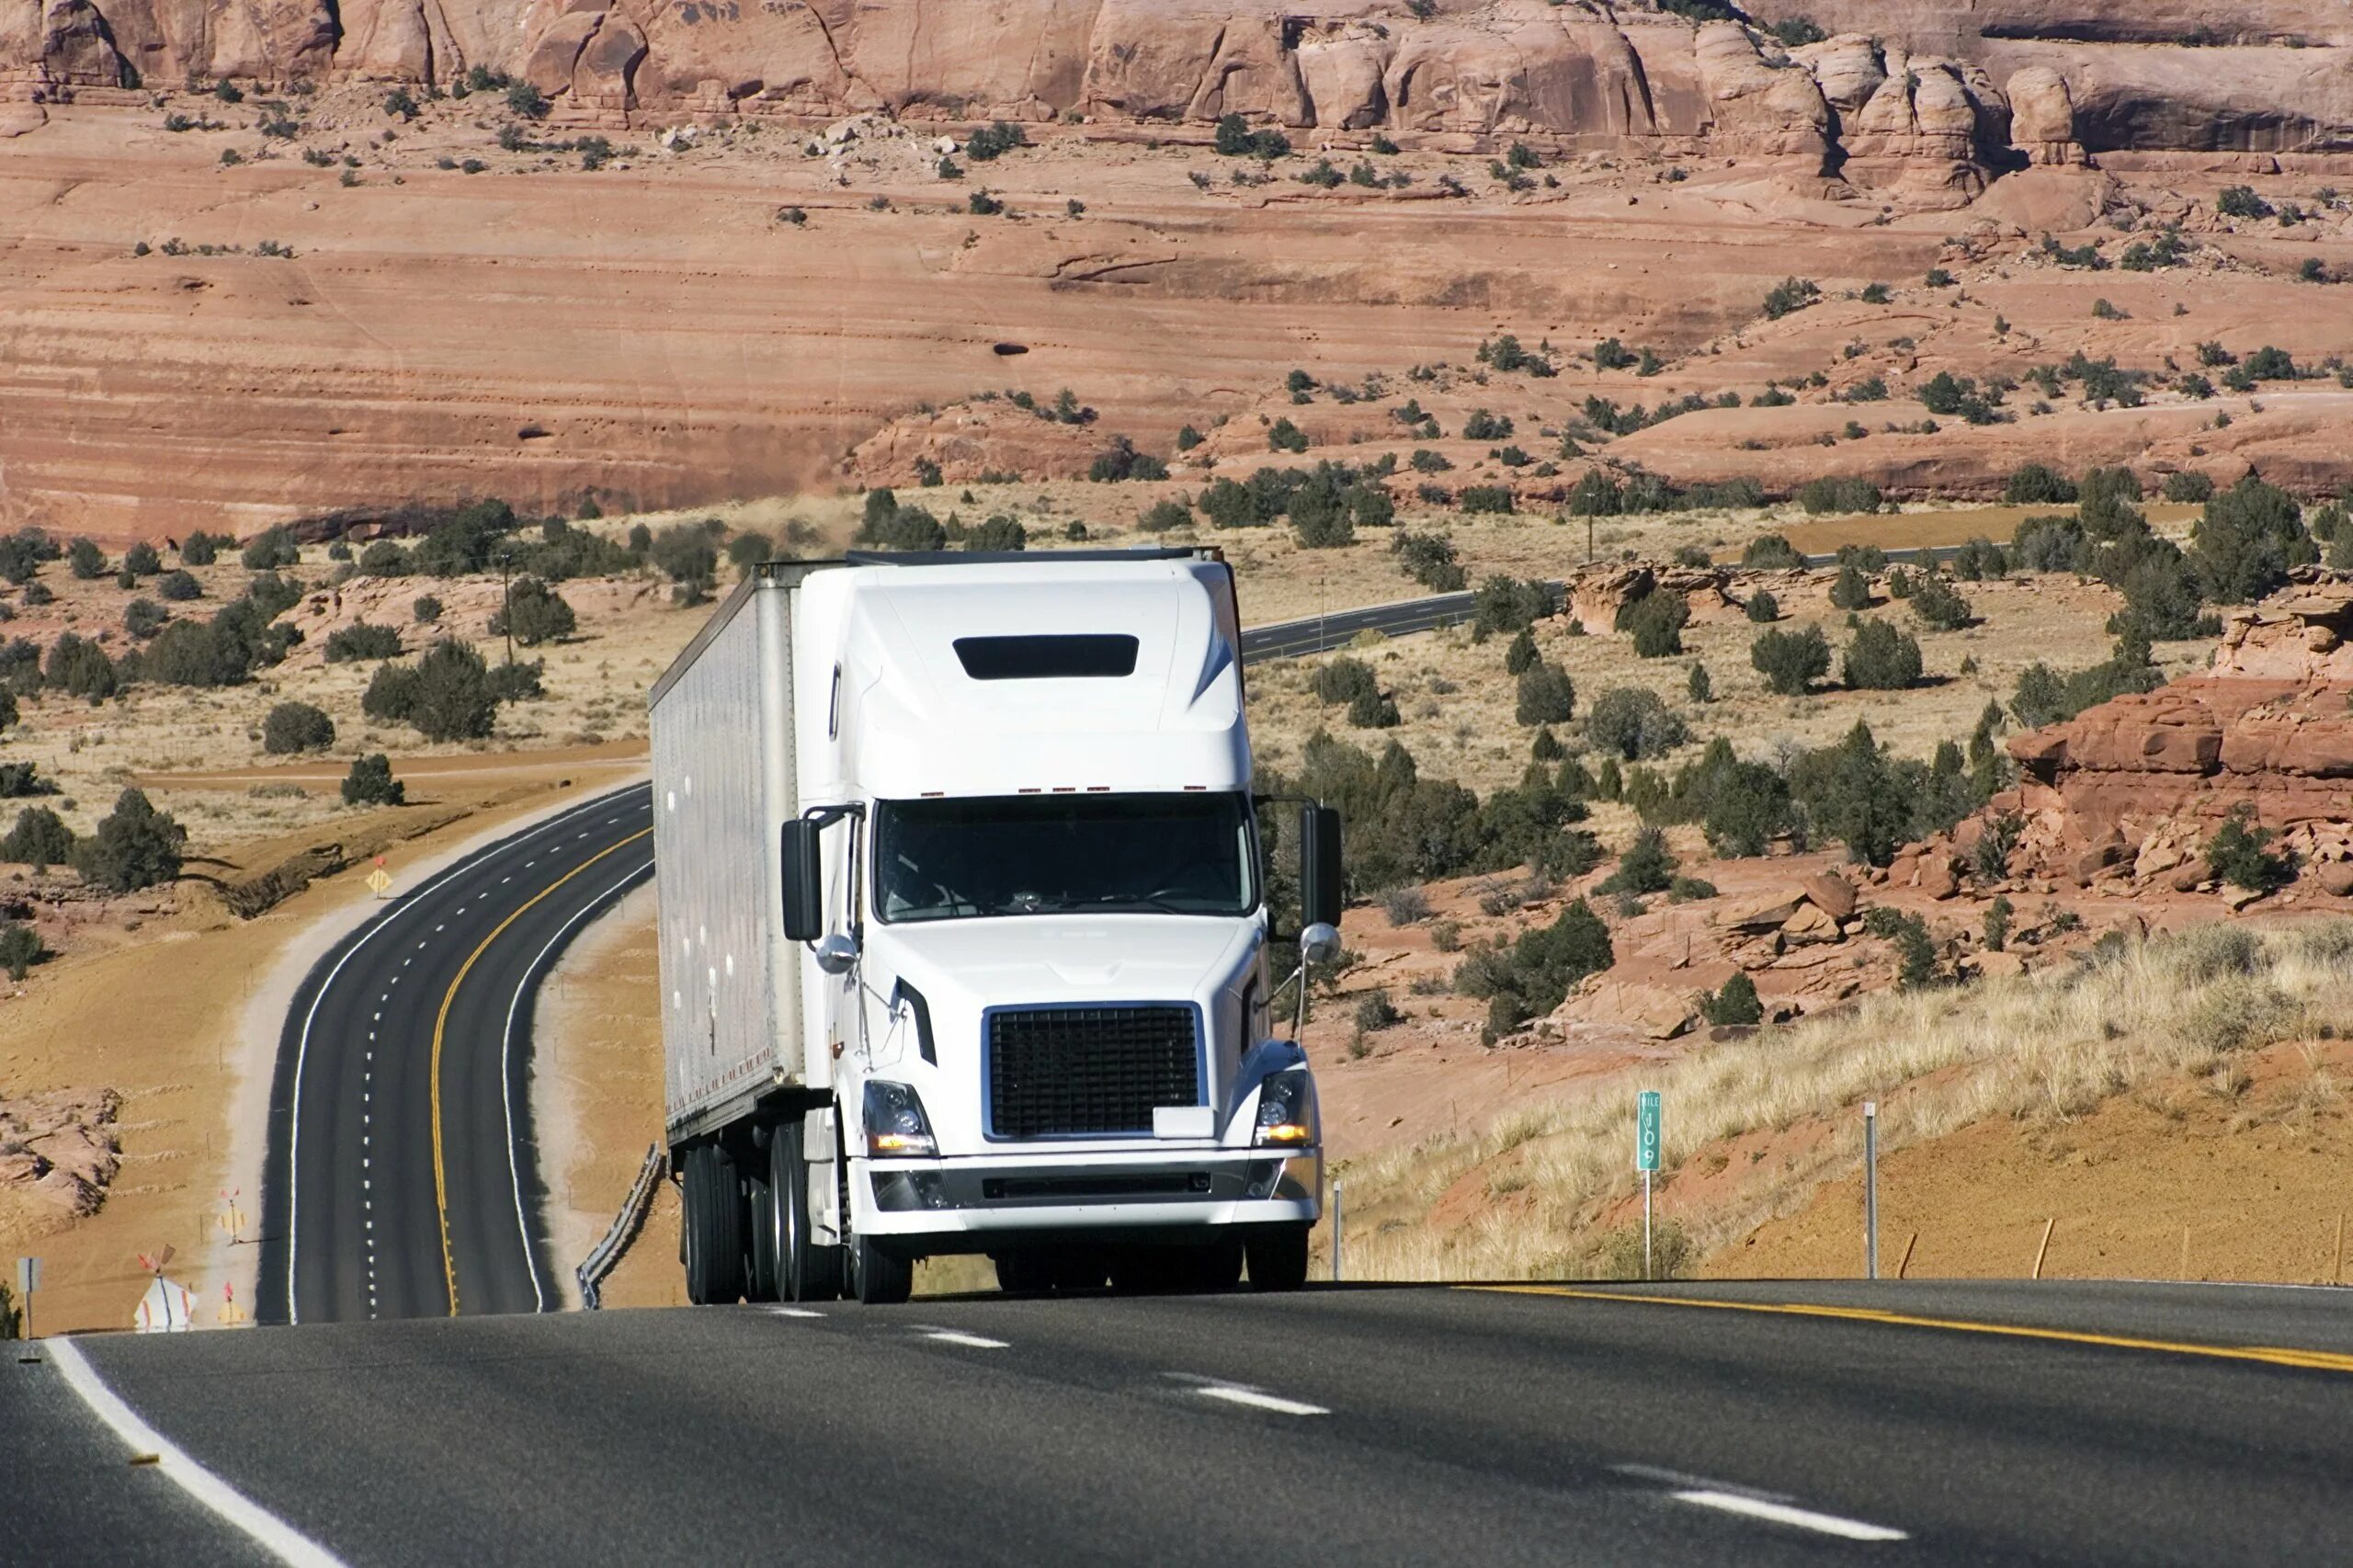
2269 1355
441 1023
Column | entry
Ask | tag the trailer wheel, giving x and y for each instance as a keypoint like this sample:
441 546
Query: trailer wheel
714 1227
811 1272
763 1273
878 1279
1278 1259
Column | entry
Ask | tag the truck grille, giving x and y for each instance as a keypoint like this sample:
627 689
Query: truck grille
1079 1071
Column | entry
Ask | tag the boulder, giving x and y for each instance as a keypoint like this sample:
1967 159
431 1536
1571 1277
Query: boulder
1758 915
2042 116
2333 877
1938 878
1808 925
1831 893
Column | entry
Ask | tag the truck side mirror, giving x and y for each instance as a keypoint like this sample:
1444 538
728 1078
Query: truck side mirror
1319 866
804 882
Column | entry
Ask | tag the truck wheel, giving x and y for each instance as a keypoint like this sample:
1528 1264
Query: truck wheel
810 1272
763 1273
878 1279
714 1227
1278 1259
1024 1273
1217 1266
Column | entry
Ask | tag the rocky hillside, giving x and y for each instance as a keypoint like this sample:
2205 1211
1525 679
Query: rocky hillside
1928 99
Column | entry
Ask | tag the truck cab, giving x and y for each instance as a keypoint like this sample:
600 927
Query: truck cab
1019 886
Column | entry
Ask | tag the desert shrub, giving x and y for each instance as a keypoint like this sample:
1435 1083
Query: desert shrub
1735 1003
1771 551
361 641
296 727
1698 686
2188 486
1762 608
384 558
2249 537
20 949
134 846
80 668
371 783
1742 807
1853 791
1980 560
1937 605
1545 695
1373 711
1851 589
518 681
1237 139
1486 498
1521 654
86 559
1881 658
1000 534
1647 866
2161 601
1824 495
2239 854
1504 604
686 556
1120 461
1161 515
2050 542
2045 696
201 548
1789 296
1915 950
534 614
144 618
747 550
270 550
40 839
1791 662
1405 905
1343 680
1486 426
1374 1010
179 586
1629 722
1997 924
427 610
2036 484
1533 975
1429 560
1656 623
445 695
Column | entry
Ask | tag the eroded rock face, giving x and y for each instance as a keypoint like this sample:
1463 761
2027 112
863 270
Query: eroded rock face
1918 137
59 1151
2042 116
2133 790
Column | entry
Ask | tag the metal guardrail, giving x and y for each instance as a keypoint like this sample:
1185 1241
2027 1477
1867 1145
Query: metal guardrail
607 1250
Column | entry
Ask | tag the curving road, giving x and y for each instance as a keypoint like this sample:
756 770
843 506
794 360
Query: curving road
400 1176
1728 1425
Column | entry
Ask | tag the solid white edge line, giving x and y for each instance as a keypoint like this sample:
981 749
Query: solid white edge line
265 1529
969 1341
1783 1513
303 1046
1257 1401
506 1080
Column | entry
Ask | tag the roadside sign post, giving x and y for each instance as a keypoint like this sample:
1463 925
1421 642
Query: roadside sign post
27 1281
379 880
1646 1140
1871 1190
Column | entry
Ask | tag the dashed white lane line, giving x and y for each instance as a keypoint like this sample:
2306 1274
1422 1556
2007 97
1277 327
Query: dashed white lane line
233 1507
969 1341
1784 1514
793 1313
1259 1400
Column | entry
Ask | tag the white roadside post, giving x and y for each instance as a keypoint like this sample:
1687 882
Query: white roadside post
1646 1141
1871 1190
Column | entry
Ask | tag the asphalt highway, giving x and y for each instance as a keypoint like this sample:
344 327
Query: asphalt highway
1687 1425
401 1179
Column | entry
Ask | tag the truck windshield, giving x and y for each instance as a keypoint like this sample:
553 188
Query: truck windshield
1189 854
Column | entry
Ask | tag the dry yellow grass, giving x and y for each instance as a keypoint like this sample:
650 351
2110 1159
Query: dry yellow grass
2051 1045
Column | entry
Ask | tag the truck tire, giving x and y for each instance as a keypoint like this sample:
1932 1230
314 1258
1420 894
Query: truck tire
878 1279
1217 1266
809 1272
1027 1272
1278 1258
764 1271
714 1227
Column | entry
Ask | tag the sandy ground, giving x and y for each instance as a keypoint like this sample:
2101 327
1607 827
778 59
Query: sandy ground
2182 1181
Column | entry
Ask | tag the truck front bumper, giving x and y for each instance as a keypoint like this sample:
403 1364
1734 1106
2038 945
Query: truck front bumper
973 1203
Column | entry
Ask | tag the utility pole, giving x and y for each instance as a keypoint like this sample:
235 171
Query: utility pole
1871 1190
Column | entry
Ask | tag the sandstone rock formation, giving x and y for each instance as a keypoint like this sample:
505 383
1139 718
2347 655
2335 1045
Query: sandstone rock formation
59 1152
2126 794
1910 89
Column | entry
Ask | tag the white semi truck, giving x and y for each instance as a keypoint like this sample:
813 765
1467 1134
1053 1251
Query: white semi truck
964 933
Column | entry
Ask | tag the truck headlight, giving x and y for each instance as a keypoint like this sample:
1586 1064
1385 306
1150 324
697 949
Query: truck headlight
896 1126
1286 1111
